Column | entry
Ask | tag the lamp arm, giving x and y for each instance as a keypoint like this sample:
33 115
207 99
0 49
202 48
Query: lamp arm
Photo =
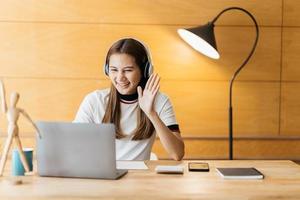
252 50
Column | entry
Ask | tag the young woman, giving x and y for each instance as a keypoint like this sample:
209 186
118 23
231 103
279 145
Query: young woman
134 104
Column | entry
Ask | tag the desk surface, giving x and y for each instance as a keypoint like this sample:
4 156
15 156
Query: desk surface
282 181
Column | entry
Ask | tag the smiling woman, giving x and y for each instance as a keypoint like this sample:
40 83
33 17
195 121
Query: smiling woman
134 104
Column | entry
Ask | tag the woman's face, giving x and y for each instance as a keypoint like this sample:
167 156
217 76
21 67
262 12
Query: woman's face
124 73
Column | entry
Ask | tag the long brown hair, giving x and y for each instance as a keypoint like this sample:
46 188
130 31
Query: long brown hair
112 114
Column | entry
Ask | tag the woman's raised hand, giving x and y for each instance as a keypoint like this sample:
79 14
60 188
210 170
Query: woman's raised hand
147 96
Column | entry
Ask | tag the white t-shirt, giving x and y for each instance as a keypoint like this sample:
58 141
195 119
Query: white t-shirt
92 110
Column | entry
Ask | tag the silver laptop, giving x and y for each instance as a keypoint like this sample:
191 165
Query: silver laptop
79 150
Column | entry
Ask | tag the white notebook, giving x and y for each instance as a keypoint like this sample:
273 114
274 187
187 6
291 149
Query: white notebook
132 164
240 173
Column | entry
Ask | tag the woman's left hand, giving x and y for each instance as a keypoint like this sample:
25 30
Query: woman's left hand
147 96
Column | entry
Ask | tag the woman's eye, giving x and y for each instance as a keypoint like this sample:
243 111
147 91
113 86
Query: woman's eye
113 70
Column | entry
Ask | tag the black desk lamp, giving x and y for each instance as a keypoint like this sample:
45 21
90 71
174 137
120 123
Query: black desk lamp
202 39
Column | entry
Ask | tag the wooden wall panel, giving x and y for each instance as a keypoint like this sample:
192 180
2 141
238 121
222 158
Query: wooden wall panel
78 51
204 149
202 107
290 54
268 149
243 149
204 112
291 14
290 109
139 11
256 108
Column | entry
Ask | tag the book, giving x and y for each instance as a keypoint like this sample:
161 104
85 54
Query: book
240 173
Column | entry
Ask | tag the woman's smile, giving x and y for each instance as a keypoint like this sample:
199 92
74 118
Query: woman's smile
123 84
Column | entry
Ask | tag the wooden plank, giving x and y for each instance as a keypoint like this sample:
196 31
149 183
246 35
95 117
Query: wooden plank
291 15
243 149
201 149
268 149
290 54
218 148
290 112
200 107
267 12
78 51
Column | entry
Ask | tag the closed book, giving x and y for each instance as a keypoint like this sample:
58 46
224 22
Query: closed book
240 173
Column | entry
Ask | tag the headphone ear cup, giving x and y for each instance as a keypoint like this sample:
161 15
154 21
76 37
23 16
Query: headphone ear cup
146 70
106 69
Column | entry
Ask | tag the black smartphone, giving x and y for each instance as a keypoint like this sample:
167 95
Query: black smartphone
198 167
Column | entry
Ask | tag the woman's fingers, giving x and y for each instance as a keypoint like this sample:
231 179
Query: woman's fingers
140 92
148 81
151 82
156 90
155 84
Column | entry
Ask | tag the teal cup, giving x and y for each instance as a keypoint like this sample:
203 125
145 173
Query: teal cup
17 166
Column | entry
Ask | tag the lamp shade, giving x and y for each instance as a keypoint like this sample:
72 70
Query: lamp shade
202 39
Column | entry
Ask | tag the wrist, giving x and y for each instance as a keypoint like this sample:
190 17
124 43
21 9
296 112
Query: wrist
152 115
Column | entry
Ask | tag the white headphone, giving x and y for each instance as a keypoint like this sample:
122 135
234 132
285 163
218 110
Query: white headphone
148 66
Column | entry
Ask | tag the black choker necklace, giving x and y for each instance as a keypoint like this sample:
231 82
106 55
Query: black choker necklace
128 97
